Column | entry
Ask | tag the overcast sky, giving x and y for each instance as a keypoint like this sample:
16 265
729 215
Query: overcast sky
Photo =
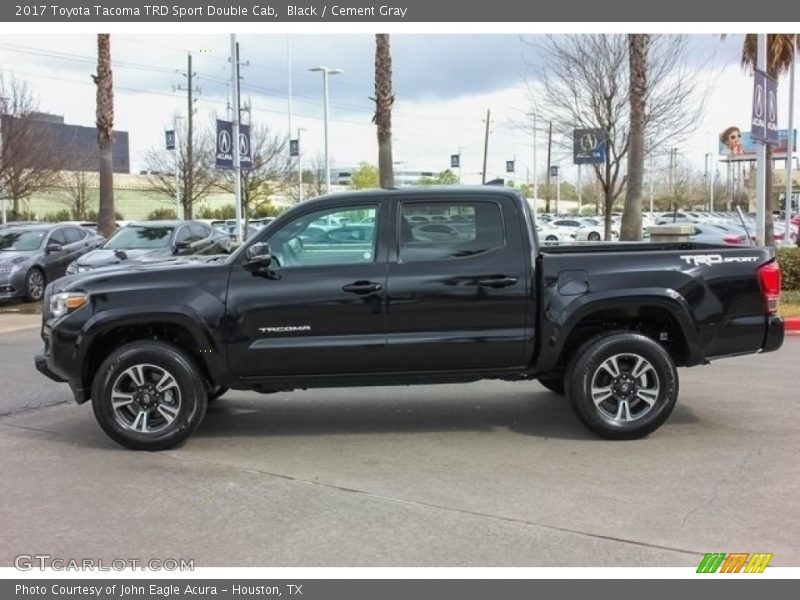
443 86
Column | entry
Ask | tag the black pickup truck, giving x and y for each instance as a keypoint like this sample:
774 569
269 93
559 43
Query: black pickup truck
396 287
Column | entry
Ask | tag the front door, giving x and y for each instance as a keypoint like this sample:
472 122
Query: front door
321 310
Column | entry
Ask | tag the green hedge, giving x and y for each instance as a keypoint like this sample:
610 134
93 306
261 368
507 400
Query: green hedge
789 261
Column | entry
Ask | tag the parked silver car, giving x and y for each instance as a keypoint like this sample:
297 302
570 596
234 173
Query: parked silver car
152 241
33 255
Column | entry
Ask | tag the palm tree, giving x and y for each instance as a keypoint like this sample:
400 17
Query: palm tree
638 45
780 52
383 108
105 133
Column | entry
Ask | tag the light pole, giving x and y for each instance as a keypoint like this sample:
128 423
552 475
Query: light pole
177 151
535 165
299 167
3 109
326 73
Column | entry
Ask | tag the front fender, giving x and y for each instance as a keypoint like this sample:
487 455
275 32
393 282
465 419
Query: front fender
207 347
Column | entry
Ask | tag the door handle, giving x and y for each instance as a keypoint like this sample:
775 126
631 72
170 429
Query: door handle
362 287
500 281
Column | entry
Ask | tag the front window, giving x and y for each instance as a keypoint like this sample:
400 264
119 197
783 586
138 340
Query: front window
22 241
342 236
140 237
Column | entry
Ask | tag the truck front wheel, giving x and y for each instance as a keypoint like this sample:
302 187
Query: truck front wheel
623 385
149 395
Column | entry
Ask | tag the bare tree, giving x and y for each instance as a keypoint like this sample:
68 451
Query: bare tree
77 188
27 162
105 134
270 170
584 82
197 168
638 46
383 108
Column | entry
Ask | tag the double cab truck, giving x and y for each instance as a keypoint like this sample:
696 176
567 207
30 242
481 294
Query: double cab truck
407 286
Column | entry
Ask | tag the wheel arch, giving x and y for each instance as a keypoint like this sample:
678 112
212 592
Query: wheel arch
114 328
663 316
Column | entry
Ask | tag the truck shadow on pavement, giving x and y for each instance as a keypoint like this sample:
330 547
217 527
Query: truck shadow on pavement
540 414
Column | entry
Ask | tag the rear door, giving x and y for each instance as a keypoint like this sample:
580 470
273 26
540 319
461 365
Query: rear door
458 285
322 309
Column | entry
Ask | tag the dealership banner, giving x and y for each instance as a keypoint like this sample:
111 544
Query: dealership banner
588 146
397 11
748 146
224 146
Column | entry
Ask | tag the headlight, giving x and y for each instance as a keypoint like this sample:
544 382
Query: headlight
72 268
4 270
61 304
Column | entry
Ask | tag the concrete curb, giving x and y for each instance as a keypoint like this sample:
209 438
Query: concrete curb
15 322
792 325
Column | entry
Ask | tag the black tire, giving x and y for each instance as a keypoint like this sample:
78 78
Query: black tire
35 282
554 384
184 400
594 236
216 392
628 406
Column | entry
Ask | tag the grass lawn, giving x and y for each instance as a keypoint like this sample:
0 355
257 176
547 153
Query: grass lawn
790 304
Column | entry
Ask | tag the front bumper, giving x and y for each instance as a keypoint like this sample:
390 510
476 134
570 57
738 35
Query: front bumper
774 337
40 360
12 285
47 364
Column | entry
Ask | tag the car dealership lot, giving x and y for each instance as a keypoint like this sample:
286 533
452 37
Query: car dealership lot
496 474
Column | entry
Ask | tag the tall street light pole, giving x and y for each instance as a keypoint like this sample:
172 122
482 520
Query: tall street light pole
326 73
790 149
761 162
3 110
237 166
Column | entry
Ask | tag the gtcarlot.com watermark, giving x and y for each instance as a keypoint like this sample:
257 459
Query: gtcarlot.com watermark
42 562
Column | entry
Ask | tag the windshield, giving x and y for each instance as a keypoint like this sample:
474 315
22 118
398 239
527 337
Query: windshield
23 241
139 237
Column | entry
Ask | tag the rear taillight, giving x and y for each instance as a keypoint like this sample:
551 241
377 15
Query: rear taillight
769 276
734 240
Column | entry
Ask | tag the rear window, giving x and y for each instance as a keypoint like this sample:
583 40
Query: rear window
471 228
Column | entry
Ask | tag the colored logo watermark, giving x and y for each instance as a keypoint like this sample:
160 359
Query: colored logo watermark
734 562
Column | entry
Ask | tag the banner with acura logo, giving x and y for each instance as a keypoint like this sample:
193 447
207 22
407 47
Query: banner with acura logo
224 150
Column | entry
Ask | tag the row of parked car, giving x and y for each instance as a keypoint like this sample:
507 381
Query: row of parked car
709 228
33 254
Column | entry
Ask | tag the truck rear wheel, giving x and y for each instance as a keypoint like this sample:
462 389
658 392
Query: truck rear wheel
149 395
622 385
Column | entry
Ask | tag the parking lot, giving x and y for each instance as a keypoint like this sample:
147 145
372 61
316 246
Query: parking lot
482 474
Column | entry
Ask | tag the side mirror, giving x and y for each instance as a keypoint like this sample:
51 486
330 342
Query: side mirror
181 247
53 247
258 257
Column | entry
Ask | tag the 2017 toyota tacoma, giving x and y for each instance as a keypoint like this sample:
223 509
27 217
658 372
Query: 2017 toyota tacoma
397 287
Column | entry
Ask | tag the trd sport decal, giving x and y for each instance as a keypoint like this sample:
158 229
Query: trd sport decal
698 260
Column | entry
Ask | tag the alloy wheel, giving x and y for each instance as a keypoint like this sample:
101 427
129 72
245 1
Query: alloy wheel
145 398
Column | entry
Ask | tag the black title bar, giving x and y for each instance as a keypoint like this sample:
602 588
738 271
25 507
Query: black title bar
411 11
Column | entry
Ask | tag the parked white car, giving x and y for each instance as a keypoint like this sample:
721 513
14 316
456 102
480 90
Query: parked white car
593 230
550 236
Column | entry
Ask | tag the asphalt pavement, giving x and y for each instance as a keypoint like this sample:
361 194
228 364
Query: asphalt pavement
485 474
